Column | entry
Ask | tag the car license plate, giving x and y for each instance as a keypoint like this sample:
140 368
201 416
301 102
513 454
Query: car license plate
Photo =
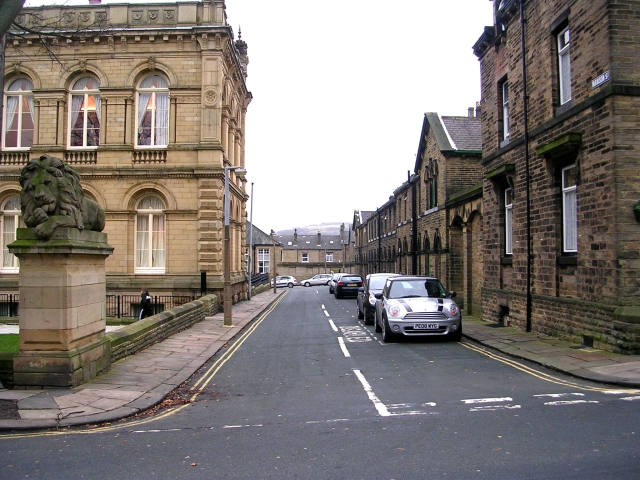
425 326
352 284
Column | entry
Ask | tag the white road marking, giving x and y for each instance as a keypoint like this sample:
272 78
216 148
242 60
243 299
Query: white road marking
333 325
343 347
487 400
559 395
355 334
326 314
569 402
630 399
492 408
380 407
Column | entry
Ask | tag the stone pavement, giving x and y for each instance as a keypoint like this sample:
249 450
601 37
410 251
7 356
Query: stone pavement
137 382
141 381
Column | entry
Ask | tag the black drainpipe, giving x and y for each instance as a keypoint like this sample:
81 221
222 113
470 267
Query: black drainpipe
414 228
379 240
526 161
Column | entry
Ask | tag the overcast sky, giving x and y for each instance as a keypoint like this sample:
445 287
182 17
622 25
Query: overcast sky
339 94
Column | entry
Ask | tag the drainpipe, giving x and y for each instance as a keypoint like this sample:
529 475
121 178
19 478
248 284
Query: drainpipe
379 240
414 228
526 161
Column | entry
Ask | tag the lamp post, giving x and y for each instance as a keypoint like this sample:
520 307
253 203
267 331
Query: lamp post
227 251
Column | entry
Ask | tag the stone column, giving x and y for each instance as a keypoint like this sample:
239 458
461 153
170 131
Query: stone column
62 307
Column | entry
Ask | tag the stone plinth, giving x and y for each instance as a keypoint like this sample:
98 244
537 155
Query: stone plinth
62 307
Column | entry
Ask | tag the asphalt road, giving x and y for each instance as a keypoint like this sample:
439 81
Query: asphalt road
309 392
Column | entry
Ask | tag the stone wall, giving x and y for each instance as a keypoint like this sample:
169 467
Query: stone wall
139 335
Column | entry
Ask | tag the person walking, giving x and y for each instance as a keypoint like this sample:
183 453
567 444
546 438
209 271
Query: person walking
146 309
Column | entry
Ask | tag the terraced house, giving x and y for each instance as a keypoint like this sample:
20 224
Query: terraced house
147 102
432 223
561 195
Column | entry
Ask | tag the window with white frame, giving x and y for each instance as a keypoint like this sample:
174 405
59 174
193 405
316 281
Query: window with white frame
305 258
152 114
84 115
505 110
569 209
150 235
18 119
10 221
329 257
564 66
263 260
508 221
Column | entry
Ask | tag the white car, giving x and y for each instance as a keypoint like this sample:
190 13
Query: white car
320 279
413 306
285 281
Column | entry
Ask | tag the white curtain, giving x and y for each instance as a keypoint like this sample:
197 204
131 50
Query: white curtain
570 221
162 119
142 241
157 245
156 104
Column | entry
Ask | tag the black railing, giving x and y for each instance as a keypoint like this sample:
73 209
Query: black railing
259 279
9 304
128 306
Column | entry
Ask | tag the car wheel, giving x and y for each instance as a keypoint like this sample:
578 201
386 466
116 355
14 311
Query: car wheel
367 317
290 285
306 284
376 325
337 294
387 336
360 314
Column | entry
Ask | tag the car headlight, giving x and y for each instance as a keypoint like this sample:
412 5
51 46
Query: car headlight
453 308
395 311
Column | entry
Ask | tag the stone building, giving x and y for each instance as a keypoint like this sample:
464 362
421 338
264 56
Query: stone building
304 256
147 102
432 224
561 169
264 250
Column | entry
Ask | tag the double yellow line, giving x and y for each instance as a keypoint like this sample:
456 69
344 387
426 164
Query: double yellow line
541 375
198 387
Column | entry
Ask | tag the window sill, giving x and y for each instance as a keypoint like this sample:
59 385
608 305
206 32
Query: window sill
563 108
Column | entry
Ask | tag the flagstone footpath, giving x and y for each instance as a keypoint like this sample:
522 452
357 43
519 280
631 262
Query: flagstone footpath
137 382
143 380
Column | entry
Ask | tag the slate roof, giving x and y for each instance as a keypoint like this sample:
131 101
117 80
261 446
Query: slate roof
259 237
309 242
466 132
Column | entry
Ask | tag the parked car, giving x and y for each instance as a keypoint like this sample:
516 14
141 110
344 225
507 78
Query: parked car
366 300
320 279
334 279
414 306
347 286
286 281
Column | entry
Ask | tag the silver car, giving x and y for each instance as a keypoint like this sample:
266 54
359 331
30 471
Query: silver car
413 306
285 281
320 279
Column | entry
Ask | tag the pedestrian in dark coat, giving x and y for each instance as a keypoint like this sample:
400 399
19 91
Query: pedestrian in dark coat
146 309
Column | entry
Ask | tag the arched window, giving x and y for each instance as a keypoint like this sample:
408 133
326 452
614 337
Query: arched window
152 116
84 116
10 221
150 235
18 119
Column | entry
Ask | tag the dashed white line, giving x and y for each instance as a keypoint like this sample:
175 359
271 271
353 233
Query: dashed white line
343 347
492 408
560 395
333 325
630 399
380 407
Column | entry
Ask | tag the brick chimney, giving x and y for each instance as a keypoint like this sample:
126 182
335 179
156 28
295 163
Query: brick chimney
478 110
319 238
295 236
470 114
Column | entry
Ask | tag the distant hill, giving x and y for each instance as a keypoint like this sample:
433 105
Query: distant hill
325 228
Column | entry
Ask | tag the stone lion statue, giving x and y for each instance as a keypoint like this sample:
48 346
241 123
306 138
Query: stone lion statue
51 197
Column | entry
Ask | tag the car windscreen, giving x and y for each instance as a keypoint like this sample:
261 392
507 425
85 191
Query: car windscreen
350 279
417 288
377 283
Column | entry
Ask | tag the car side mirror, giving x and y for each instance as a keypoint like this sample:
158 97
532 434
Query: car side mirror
378 296
452 294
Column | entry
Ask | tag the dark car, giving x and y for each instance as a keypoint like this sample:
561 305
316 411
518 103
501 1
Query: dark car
366 301
334 278
347 285
413 306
